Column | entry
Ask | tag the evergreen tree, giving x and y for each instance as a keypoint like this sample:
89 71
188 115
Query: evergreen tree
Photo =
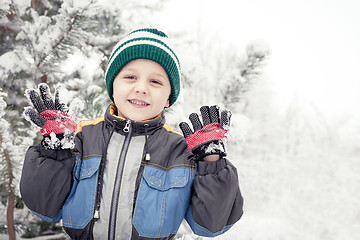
40 40
12 148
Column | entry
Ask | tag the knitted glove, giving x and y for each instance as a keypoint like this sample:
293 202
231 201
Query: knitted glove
207 137
57 126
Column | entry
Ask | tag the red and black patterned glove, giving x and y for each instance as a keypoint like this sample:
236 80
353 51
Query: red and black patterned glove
52 116
207 137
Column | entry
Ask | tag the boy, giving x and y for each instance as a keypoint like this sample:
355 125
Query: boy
128 175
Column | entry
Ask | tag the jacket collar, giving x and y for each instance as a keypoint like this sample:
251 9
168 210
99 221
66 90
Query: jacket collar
151 126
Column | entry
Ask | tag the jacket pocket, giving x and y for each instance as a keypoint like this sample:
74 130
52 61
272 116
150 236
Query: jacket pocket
162 200
78 209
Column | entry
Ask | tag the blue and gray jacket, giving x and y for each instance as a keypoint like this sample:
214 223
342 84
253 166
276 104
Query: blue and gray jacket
130 180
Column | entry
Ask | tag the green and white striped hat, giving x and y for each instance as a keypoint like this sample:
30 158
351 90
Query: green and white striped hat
146 43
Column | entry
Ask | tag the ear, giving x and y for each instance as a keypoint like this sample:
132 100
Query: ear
167 103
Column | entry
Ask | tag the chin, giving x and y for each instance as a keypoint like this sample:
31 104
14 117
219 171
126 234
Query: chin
138 118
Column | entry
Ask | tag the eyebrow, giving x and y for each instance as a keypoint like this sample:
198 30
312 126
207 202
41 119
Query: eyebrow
129 69
161 75
152 73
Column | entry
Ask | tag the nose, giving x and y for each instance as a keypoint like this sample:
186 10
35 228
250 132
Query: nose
141 87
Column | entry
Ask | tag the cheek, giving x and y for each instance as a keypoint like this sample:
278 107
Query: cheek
118 93
165 100
117 90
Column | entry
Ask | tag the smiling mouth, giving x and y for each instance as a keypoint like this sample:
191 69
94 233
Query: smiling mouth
138 102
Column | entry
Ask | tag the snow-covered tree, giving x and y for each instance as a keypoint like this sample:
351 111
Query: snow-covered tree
214 74
63 42
12 147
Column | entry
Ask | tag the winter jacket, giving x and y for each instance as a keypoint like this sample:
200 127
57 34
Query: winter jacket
106 187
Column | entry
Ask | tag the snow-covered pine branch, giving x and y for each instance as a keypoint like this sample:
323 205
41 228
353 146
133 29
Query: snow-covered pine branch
246 71
12 149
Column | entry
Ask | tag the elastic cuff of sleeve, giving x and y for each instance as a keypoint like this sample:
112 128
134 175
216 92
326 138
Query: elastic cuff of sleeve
211 167
58 154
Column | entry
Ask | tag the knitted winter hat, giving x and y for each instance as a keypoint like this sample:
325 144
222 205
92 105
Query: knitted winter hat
145 43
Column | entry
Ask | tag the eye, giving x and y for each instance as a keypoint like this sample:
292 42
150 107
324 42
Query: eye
157 82
130 77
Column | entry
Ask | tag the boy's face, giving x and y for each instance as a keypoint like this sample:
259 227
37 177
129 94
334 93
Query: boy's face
141 90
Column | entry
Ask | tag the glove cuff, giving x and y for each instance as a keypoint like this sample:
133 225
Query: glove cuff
205 168
209 148
58 141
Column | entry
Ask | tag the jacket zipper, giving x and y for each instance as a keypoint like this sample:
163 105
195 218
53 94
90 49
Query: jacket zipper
101 175
117 184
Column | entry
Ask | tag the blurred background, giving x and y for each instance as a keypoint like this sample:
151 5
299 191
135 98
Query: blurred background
288 70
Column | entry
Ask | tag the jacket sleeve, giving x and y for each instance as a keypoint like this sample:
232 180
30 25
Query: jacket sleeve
216 201
46 181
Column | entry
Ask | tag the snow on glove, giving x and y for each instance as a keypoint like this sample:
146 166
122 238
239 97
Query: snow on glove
57 126
208 137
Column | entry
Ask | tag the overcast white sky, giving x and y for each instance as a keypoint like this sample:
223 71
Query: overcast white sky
315 43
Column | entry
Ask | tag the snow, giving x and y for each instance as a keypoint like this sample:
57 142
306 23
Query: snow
64 95
9 60
4 4
48 237
72 7
21 5
4 125
50 33
2 103
76 106
240 127
298 171
93 89
258 47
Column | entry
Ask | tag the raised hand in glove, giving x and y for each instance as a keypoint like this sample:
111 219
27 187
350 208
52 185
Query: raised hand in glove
57 126
207 138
